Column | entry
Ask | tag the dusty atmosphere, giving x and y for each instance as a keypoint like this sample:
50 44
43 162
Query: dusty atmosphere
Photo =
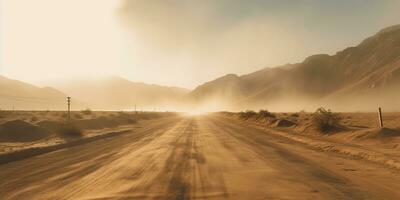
199 99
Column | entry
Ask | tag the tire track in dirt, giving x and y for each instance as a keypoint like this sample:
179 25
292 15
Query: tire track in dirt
68 168
267 148
202 157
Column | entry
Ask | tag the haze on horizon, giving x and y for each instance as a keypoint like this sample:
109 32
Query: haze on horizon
176 43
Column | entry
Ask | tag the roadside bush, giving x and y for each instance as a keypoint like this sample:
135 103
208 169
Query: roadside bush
64 115
86 111
325 120
266 113
3 114
295 115
78 116
247 114
34 119
68 130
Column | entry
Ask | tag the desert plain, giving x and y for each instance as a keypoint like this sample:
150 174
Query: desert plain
247 155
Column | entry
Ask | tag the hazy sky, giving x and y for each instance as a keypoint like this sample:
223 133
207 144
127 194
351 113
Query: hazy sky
176 42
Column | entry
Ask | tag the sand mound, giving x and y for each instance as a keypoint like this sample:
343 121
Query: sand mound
284 123
20 131
378 133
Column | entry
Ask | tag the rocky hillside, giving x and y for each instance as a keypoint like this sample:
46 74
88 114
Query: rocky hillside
369 72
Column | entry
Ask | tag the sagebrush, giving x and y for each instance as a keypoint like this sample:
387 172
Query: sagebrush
86 112
266 113
69 130
325 120
247 114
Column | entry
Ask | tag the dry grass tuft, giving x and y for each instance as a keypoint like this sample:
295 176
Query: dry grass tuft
87 111
247 114
78 116
325 120
69 130
266 114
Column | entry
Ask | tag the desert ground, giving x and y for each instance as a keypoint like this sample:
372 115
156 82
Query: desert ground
245 155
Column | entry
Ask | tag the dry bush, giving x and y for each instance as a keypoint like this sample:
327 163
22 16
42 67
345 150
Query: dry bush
64 115
247 114
34 119
295 115
69 130
3 114
87 111
78 116
325 120
266 113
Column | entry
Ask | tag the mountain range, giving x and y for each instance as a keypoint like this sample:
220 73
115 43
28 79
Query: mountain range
15 94
115 93
357 78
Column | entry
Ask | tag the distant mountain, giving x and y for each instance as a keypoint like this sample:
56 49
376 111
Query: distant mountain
115 93
19 95
357 78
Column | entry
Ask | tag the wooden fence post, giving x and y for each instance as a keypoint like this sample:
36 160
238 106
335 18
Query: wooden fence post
380 117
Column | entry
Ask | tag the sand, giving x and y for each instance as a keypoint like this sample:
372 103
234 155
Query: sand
200 157
21 130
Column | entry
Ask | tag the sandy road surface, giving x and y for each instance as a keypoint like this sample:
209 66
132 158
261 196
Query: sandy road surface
203 157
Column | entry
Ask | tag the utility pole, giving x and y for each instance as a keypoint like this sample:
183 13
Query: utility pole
69 108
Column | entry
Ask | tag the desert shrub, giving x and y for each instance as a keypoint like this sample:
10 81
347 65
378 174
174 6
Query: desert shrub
266 113
34 119
86 111
70 130
295 115
3 114
64 115
247 114
284 123
78 116
325 120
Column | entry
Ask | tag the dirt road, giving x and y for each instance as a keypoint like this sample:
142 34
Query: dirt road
202 157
